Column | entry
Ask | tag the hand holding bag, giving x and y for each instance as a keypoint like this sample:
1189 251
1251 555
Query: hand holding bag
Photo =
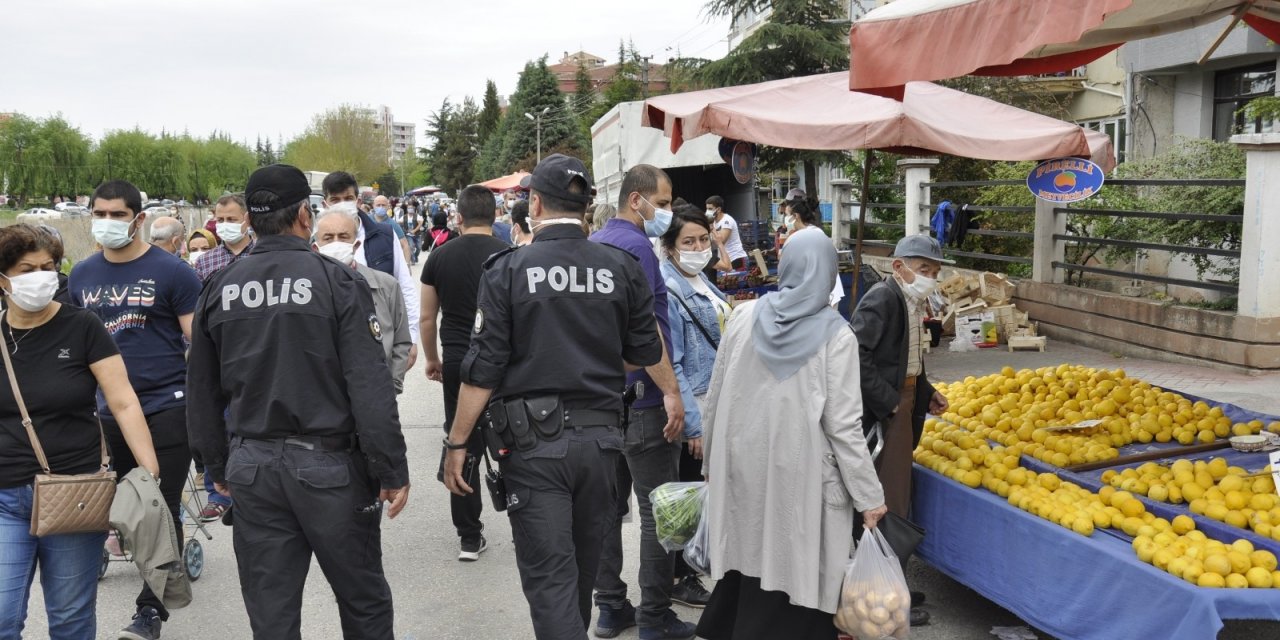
65 503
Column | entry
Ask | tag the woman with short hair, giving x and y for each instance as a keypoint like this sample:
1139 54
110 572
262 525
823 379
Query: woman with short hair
61 356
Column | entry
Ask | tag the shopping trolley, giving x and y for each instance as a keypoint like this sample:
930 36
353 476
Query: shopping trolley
193 502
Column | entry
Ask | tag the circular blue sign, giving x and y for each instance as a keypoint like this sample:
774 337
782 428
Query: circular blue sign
1065 179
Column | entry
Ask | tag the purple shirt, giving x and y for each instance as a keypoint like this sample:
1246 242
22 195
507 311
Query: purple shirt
630 238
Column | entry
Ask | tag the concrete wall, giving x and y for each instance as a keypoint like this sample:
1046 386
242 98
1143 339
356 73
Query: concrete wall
1106 74
1134 326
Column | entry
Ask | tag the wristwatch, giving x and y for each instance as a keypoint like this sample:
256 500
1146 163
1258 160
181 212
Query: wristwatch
453 447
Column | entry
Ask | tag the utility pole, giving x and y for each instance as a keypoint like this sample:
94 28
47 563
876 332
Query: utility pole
644 87
537 121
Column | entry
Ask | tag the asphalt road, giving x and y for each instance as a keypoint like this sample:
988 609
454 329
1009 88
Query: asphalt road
439 598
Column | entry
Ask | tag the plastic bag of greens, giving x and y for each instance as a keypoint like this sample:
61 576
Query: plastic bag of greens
697 553
874 601
677 509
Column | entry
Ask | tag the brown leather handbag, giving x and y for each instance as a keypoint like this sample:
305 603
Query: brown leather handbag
65 503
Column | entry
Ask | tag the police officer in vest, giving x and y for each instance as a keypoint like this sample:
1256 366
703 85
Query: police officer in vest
289 340
557 325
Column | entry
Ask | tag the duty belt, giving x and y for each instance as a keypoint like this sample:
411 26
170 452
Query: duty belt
311 443
590 418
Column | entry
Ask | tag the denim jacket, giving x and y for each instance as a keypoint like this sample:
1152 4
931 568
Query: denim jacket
692 357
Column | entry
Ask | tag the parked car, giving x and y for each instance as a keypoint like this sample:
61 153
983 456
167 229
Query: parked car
40 213
71 209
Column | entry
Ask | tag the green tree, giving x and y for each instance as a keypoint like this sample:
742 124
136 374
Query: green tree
127 155
19 136
624 86
490 114
800 38
584 98
454 149
341 139
61 154
514 145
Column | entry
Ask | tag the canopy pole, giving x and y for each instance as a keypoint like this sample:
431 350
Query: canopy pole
1235 19
862 221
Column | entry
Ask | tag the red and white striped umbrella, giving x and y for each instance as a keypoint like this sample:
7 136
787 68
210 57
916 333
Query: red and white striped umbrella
910 40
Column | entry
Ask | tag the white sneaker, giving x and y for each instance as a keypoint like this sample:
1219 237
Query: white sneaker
471 551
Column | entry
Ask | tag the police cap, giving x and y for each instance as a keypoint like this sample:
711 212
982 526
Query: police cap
555 173
286 183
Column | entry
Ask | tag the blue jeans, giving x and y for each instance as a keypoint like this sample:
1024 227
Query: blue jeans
68 573
214 496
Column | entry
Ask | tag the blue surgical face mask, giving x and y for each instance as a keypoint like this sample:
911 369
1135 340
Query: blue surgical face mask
381 212
661 220
112 234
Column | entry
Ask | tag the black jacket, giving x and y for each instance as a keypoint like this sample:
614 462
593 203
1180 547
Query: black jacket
287 341
880 322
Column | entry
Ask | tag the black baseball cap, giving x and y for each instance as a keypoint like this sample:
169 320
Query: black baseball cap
285 182
555 173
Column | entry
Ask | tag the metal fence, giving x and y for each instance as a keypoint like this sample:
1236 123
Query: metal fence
1062 239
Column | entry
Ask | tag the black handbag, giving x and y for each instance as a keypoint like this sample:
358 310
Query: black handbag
902 534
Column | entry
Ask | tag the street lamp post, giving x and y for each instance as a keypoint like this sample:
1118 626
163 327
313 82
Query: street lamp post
537 121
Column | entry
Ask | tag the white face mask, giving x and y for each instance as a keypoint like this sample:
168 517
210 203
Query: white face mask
344 252
32 292
920 288
711 214
693 262
112 234
790 222
194 255
230 232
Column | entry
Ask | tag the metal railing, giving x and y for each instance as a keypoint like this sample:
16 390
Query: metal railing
1073 240
1139 245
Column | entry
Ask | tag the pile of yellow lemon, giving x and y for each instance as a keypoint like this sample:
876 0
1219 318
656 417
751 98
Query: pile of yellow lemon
1024 406
1178 548
1014 410
1213 489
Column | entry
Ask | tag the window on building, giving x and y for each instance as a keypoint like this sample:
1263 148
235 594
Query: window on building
1235 88
1115 128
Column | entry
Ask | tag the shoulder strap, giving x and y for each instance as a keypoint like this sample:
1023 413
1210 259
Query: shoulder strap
706 334
26 418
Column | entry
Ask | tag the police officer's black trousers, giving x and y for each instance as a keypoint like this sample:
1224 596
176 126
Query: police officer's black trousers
290 503
169 437
560 498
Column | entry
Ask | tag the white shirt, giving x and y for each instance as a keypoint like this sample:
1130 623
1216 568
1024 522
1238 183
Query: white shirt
408 289
700 287
732 246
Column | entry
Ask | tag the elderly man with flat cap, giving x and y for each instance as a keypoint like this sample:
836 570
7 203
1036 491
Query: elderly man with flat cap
287 338
889 323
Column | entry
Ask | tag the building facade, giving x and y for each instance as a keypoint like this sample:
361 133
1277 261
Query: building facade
1172 95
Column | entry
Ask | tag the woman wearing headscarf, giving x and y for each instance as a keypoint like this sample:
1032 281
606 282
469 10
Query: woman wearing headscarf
785 457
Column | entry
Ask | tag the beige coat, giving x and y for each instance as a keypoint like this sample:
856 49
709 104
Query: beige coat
146 527
787 465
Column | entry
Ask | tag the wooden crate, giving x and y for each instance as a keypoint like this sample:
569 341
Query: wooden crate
1018 342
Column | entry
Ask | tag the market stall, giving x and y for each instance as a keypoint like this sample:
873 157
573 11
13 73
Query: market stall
1059 494
1074 587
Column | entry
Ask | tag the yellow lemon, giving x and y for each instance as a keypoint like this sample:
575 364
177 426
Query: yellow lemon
1237 581
1218 468
1217 511
1236 519
1235 499
1132 508
1192 491
1239 561
1084 526
1243 546
1259 578
1219 564
1183 524
1263 559
1210 580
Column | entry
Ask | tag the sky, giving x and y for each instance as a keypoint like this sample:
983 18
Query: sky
265 67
